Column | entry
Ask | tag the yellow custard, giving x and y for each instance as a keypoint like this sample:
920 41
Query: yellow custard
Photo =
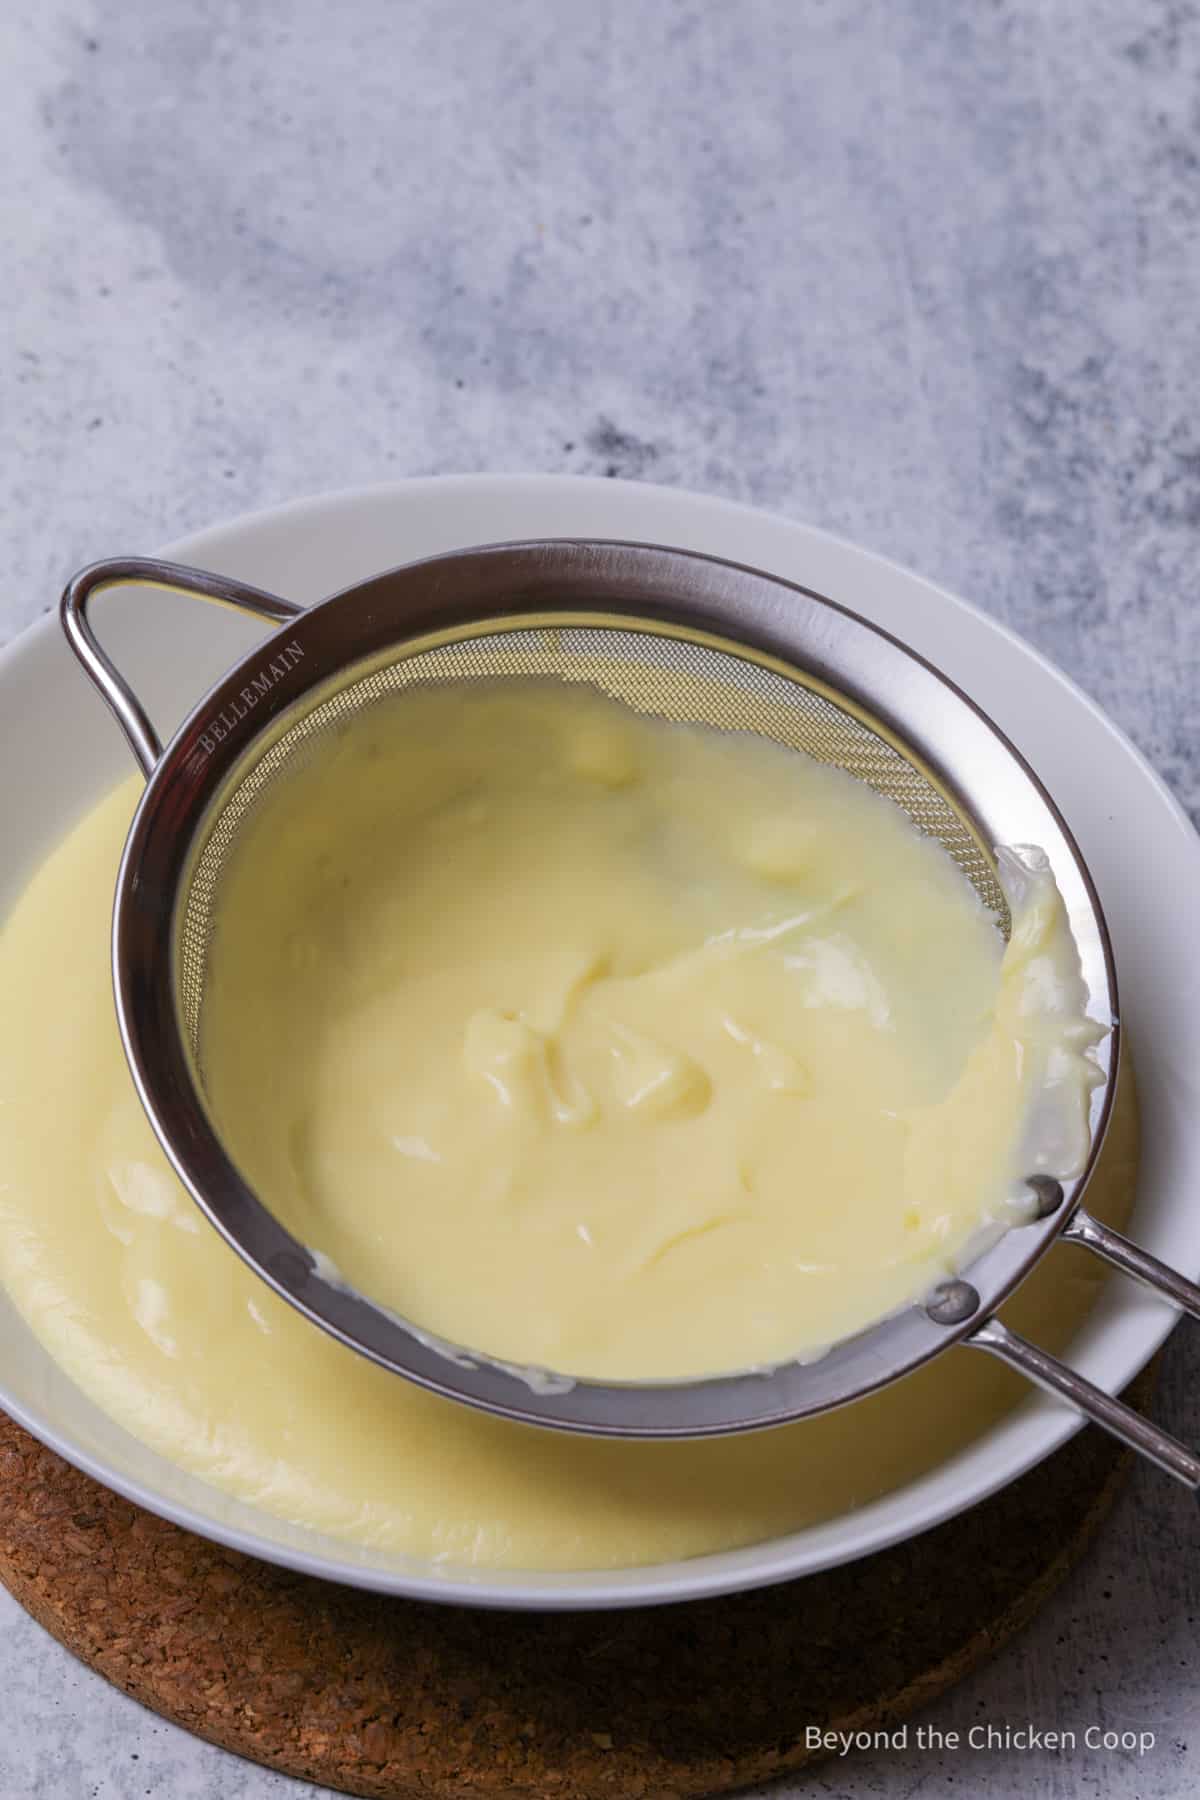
623 1049
159 1322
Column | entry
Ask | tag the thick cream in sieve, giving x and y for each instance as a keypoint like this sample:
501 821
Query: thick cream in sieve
624 1049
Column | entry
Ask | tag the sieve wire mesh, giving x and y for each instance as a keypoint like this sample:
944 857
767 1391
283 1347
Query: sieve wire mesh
653 671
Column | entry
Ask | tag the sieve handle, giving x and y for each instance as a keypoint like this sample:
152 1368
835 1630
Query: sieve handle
140 571
1058 1378
1113 1416
1104 1242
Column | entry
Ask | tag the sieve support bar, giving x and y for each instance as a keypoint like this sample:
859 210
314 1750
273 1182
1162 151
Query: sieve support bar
1112 1415
1104 1242
142 571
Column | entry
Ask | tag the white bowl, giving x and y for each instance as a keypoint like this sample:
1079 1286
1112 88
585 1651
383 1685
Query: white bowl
59 750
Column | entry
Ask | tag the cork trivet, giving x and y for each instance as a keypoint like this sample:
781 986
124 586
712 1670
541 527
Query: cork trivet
392 1699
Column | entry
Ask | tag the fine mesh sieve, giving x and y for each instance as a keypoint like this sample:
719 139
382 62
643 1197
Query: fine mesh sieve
655 672
669 634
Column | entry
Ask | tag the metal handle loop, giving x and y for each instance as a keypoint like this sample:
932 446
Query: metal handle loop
1104 1242
1058 1378
140 571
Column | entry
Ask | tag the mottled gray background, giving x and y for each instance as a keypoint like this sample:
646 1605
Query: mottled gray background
922 272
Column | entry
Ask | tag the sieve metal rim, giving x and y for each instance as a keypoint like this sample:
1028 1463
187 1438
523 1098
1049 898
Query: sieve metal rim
748 610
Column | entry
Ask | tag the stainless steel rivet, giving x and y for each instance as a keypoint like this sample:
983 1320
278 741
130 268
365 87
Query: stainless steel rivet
1047 1192
953 1302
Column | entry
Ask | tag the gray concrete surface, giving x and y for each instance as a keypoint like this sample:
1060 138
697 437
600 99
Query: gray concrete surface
920 272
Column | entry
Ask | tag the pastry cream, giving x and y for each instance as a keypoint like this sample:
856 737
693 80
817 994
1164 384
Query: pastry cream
624 1049
155 1318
